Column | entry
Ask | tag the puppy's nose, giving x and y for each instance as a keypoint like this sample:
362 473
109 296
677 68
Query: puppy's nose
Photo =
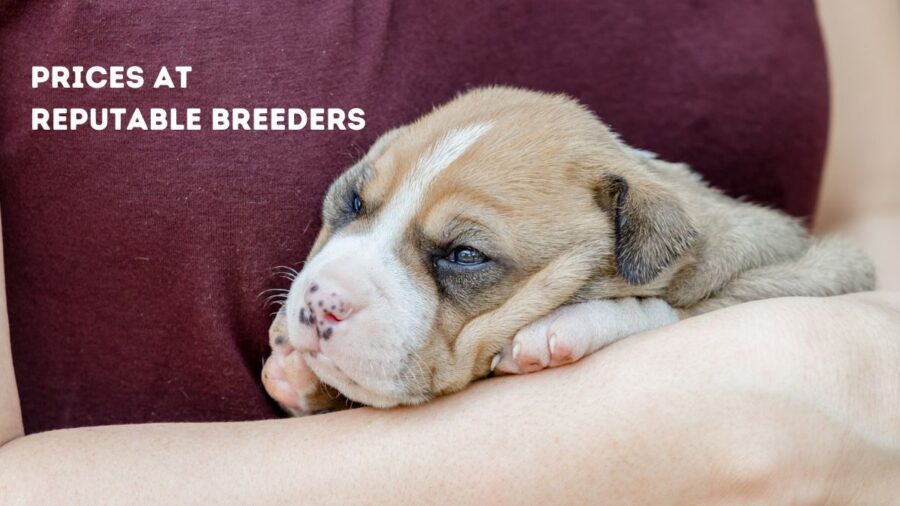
326 306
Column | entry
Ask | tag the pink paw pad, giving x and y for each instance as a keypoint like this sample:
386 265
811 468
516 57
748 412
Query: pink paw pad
560 351
285 375
528 359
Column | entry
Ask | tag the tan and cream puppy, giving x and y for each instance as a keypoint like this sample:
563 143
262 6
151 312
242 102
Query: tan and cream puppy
512 230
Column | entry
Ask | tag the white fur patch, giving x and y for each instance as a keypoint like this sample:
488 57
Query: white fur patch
428 167
450 147
397 317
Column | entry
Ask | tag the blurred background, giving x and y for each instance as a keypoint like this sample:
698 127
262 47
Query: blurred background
861 187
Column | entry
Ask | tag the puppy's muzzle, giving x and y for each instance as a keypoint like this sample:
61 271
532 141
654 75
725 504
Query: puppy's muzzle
327 307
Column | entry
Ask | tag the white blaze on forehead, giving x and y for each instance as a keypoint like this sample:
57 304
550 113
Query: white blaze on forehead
445 151
453 144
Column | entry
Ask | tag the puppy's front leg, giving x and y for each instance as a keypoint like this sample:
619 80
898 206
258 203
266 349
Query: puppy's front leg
573 331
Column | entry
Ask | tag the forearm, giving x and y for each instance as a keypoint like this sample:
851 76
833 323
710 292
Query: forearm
506 441
690 414
877 233
859 196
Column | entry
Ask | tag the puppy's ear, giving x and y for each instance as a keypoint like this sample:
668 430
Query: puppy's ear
652 228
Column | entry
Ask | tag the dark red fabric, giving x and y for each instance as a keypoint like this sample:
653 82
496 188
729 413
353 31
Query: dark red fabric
134 260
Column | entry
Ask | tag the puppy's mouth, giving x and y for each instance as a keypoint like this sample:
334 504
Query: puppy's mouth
328 371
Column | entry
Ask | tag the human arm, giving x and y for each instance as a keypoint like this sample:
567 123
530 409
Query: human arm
860 194
790 396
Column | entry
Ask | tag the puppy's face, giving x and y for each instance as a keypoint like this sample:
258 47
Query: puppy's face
457 230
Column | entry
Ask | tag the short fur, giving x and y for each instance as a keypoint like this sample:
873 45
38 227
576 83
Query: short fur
568 213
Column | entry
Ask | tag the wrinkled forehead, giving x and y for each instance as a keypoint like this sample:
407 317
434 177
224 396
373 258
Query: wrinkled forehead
482 172
417 159
496 154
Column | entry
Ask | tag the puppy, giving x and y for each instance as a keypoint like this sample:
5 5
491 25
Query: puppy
512 230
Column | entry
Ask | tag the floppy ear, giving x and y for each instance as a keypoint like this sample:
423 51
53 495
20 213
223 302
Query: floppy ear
652 229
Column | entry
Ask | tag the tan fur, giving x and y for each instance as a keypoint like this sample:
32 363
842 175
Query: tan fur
575 215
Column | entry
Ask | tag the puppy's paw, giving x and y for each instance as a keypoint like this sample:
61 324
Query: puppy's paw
562 337
289 380
571 332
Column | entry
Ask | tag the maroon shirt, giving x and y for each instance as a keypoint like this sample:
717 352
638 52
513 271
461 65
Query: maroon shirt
135 260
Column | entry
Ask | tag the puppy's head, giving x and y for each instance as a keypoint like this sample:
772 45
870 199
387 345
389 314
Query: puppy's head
455 231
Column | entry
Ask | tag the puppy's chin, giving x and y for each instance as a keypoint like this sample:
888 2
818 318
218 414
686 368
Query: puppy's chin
329 373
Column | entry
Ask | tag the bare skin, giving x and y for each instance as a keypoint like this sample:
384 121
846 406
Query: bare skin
714 408
778 401
860 196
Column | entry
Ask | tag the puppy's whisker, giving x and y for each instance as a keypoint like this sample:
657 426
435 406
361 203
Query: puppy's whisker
286 275
278 302
280 290
285 269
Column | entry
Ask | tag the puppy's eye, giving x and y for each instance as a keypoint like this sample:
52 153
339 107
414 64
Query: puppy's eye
462 271
466 256
356 203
